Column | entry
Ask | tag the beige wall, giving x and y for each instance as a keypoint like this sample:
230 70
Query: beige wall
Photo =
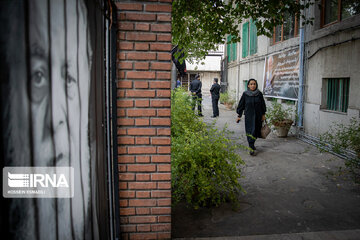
338 61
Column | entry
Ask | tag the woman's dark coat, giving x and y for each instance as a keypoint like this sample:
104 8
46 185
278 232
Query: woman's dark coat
255 108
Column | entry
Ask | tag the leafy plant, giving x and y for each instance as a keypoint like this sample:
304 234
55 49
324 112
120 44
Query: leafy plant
205 166
340 139
226 98
278 115
199 26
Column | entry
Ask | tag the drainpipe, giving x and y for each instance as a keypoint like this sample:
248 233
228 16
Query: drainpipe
300 112
301 80
115 234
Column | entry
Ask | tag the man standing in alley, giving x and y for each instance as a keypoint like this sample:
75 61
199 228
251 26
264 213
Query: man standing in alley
195 88
215 95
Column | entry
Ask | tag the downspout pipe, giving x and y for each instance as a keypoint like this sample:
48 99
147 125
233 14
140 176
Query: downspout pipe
108 137
300 112
115 179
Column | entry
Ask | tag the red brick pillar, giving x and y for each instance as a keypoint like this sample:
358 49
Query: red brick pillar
144 71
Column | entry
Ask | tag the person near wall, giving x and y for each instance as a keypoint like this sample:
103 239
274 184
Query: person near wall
178 83
252 104
195 89
215 95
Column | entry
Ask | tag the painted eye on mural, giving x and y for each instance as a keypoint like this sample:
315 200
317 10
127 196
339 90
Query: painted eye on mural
70 81
38 79
39 85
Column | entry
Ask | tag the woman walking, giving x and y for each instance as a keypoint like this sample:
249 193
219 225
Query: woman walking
252 102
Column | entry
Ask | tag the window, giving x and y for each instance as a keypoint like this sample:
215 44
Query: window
336 10
231 49
289 29
337 94
249 39
245 84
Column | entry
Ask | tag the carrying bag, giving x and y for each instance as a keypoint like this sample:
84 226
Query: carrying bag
265 129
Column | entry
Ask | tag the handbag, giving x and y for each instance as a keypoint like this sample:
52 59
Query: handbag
265 129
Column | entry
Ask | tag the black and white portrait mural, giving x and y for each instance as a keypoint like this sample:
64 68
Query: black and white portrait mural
48 73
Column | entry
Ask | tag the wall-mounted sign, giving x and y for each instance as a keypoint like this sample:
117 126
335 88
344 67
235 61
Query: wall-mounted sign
281 75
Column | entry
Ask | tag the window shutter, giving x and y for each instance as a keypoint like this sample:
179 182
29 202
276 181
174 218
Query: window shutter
245 84
253 37
245 39
338 94
346 94
228 47
234 51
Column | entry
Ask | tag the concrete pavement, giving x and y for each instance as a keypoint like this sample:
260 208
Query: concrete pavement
329 235
291 188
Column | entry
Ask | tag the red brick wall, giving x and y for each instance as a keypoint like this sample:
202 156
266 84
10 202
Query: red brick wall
144 70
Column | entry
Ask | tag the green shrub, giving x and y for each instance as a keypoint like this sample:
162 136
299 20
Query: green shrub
340 139
226 98
277 114
205 166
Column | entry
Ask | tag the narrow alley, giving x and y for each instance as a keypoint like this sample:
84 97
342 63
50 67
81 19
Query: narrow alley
291 188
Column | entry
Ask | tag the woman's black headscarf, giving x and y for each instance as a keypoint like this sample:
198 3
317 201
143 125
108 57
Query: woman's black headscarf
252 93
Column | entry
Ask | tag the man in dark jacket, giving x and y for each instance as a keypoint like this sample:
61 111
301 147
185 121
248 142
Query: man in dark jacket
195 89
215 95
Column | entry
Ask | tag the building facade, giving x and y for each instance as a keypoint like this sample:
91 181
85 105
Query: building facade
332 57
331 54
208 69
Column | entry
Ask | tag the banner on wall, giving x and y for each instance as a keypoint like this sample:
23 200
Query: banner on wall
281 75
